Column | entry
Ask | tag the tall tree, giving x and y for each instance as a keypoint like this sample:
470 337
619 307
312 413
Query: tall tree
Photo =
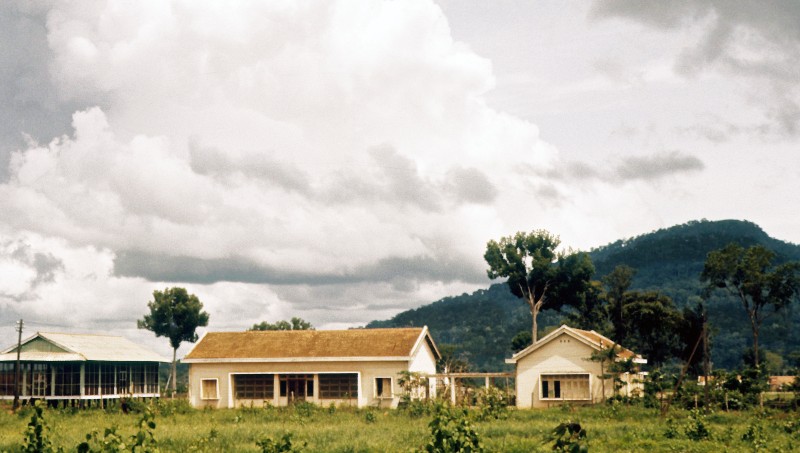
175 314
652 323
617 283
750 275
294 324
537 273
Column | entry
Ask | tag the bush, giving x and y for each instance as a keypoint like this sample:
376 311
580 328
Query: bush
493 403
696 428
451 431
36 434
569 437
282 445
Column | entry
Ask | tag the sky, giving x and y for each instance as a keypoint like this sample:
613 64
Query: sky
343 161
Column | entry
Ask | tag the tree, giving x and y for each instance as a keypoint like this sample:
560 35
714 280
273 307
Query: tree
749 275
537 273
175 314
605 356
617 283
294 324
651 323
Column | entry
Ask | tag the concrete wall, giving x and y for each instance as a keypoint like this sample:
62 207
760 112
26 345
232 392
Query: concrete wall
562 355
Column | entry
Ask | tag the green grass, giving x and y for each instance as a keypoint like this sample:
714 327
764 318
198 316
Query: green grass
610 429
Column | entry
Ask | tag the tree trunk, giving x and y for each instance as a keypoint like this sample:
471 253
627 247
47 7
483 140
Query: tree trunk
174 371
755 345
534 336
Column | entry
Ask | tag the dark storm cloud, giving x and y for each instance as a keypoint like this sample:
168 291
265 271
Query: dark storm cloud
767 29
29 101
213 162
398 271
393 178
656 166
471 185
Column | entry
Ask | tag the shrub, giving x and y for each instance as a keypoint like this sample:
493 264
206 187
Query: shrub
282 445
569 437
492 403
36 434
696 428
451 431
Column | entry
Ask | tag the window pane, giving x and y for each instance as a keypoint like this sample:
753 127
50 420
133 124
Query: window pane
338 386
254 386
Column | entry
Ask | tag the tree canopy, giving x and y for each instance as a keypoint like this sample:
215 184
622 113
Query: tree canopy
175 314
750 275
294 324
537 272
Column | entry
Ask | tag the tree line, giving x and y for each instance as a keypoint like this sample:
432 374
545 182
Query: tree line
648 322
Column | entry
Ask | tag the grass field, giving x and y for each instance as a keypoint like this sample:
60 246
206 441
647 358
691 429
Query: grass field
609 429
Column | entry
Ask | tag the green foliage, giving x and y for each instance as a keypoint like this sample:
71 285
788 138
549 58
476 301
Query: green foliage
755 436
369 416
750 275
294 324
143 440
37 433
537 273
282 445
175 314
452 431
492 403
695 428
569 437
521 341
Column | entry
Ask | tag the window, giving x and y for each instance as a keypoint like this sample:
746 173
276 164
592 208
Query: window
208 389
68 379
338 386
254 386
565 386
383 387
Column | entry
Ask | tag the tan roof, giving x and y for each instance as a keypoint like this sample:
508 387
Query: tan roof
589 337
81 347
296 344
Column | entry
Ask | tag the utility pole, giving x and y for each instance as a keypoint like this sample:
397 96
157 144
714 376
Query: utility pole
20 323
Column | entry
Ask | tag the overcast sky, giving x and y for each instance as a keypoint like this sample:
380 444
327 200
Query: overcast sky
344 161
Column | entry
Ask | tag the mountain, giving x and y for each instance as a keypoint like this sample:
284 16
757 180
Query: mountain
480 325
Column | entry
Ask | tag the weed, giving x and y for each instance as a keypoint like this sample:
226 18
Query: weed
36 434
696 428
370 417
493 403
451 431
569 437
755 436
282 445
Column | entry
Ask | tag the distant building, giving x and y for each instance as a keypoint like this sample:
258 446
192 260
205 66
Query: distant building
64 366
557 370
359 367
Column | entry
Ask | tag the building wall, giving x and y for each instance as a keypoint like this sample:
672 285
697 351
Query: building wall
424 361
223 373
562 355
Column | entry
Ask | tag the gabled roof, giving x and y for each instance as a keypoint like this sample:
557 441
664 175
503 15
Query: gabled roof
70 347
589 337
311 345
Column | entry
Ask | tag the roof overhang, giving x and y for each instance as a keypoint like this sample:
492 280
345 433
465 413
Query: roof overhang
298 359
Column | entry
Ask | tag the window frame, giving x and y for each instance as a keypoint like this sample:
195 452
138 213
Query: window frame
550 379
203 395
391 387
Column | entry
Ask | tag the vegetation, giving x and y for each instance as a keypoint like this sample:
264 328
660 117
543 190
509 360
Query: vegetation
537 273
294 324
749 275
175 314
606 428
667 263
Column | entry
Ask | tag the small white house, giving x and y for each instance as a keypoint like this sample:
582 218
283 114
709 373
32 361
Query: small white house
360 367
557 369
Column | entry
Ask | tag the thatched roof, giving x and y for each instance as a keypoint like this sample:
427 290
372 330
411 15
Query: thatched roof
314 344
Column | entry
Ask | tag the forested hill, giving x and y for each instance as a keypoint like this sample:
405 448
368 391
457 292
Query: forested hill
669 260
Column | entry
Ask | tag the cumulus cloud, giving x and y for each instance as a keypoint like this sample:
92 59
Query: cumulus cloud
756 41
260 146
